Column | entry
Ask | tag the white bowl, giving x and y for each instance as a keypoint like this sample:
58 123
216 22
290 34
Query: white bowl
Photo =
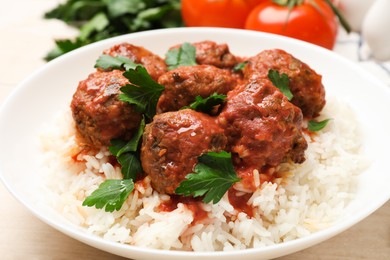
44 93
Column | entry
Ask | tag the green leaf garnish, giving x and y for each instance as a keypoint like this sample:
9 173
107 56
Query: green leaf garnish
110 195
108 62
143 92
131 165
119 147
63 46
282 82
314 126
206 105
127 153
240 66
214 175
97 24
183 56
102 19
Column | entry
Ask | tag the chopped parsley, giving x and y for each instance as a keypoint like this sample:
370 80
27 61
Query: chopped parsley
206 105
240 66
214 175
110 195
127 153
185 55
314 126
108 62
143 92
282 82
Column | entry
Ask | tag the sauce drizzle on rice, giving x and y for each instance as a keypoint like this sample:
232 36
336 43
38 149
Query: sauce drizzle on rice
193 204
239 201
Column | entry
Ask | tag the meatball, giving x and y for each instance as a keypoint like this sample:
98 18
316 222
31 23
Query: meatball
154 64
98 113
183 84
263 128
172 144
305 83
211 53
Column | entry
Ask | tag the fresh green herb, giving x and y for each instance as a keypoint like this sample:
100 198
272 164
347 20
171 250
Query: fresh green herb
63 46
214 175
143 92
314 126
101 19
282 82
240 66
98 22
110 195
119 147
127 153
108 62
185 55
206 105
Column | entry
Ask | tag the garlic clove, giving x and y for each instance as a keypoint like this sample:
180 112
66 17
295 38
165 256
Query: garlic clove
376 29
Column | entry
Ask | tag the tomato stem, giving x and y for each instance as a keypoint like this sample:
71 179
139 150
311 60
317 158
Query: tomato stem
341 18
289 3
292 3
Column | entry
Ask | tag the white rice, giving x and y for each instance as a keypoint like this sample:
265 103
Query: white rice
311 197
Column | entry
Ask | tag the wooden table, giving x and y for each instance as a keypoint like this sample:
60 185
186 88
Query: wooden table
24 40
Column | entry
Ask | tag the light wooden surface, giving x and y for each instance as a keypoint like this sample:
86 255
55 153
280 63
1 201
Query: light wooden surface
24 40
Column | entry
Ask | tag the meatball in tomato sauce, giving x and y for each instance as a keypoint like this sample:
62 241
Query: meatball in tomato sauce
183 84
263 128
305 83
212 53
98 113
154 64
172 143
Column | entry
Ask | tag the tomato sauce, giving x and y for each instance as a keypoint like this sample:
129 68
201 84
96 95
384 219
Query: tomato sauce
240 203
309 133
192 204
82 151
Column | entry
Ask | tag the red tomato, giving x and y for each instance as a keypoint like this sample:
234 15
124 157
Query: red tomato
254 3
218 13
311 22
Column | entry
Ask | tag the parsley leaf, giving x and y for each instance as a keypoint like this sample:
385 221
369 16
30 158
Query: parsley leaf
314 126
110 195
102 19
206 105
63 46
214 175
240 66
97 24
127 153
143 91
119 147
282 82
185 55
108 62
131 165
